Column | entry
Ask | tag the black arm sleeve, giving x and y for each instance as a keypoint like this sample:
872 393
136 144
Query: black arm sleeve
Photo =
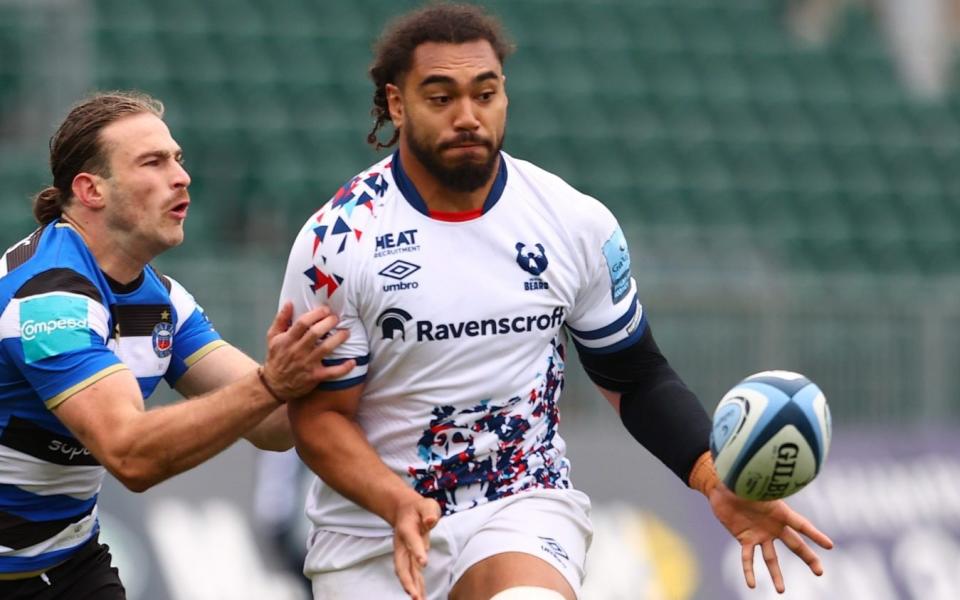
656 407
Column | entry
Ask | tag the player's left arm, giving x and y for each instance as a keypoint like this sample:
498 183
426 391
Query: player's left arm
227 364
616 347
661 412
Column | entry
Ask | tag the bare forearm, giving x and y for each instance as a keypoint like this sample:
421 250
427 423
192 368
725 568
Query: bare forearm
143 448
272 433
337 450
169 440
223 366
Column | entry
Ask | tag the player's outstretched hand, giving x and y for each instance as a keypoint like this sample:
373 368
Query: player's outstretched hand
758 524
296 349
411 542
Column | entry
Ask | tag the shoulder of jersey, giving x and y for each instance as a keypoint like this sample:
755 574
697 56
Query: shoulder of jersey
560 195
46 249
354 206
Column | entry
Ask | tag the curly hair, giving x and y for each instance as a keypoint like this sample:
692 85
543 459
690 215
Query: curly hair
442 23
76 146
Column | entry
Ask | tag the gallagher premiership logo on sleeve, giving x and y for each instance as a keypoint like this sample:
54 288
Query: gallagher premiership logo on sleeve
53 325
618 262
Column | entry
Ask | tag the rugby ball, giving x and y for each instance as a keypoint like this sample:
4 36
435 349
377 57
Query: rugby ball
771 435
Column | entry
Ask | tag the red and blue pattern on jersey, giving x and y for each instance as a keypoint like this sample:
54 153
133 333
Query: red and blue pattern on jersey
494 450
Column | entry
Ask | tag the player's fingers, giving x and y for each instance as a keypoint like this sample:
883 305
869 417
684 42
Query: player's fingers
418 580
324 326
795 543
804 526
318 331
425 536
302 325
409 534
429 514
746 556
338 369
773 564
282 321
311 337
401 567
330 343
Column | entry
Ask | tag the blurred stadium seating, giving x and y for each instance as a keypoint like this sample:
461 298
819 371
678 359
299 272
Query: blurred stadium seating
703 115
727 149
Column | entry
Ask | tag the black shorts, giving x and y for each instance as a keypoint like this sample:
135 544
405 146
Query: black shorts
87 575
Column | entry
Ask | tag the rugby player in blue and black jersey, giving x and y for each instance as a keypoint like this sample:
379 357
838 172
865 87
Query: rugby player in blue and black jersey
87 331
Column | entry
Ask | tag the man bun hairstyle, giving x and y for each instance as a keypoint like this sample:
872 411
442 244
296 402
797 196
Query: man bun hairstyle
76 146
437 22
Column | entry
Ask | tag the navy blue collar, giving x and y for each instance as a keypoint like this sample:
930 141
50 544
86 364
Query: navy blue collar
412 196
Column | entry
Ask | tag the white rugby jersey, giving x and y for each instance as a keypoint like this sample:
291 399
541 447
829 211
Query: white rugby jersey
457 327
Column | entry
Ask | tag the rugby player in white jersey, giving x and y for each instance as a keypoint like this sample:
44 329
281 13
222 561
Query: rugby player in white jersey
88 329
460 273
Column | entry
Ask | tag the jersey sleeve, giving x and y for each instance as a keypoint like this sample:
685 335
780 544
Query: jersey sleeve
607 315
55 332
193 335
320 271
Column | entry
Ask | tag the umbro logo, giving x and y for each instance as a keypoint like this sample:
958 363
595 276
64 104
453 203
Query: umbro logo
400 270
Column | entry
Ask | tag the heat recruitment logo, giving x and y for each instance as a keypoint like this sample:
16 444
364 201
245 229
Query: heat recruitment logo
393 325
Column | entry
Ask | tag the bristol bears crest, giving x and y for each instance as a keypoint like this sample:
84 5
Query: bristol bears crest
532 262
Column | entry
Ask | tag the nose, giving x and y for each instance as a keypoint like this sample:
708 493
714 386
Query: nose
465 116
181 178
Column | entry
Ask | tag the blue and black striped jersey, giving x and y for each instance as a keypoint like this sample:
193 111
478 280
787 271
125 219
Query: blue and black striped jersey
64 324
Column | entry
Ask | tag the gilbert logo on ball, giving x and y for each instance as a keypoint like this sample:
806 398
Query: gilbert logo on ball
771 435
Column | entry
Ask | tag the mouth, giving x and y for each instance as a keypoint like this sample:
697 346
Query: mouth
179 210
469 148
465 142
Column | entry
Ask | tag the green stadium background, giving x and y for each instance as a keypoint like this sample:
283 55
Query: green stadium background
787 205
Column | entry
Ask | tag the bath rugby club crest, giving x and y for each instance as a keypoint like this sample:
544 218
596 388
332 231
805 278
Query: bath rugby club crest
163 339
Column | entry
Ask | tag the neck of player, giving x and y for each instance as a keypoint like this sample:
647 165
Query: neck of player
113 256
438 197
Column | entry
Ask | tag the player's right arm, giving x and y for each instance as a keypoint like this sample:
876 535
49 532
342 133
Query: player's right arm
323 270
331 443
142 448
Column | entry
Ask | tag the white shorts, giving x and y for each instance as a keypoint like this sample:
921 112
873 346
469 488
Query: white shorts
553 525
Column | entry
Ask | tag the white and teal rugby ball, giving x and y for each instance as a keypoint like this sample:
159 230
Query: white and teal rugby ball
771 435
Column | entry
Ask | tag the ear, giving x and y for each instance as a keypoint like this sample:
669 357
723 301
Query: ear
395 104
88 190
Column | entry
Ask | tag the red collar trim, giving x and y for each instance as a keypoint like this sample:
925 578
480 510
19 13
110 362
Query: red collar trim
456 217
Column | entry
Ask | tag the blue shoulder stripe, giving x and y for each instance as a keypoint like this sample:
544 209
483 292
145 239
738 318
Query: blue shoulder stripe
342 384
612 328
331 362
628 341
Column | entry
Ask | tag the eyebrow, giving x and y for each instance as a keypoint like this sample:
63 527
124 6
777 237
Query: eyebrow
447 80
158 154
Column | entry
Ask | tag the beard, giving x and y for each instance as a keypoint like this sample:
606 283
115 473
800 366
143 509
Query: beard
464 176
